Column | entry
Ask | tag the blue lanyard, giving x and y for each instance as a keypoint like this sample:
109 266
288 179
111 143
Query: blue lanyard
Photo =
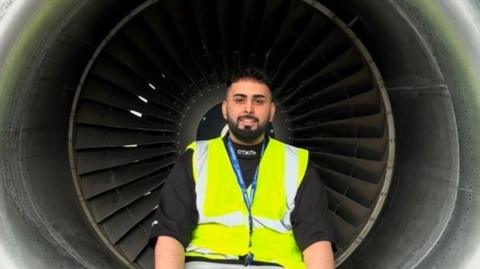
246 198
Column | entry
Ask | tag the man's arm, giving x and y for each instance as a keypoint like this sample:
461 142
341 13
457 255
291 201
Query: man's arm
175 217
312 227
319 255
169 253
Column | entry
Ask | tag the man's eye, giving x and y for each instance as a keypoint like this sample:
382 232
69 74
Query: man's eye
259 101
239 100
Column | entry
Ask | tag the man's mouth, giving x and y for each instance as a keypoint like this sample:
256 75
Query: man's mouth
248 120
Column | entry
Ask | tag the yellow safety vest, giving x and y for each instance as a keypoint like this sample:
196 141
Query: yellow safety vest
223 229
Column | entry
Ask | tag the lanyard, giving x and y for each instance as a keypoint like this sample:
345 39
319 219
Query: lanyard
248 199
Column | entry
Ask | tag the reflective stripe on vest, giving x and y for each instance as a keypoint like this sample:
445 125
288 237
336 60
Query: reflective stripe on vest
211 265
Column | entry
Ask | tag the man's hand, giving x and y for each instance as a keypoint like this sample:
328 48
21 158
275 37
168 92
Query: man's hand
319 255
169 253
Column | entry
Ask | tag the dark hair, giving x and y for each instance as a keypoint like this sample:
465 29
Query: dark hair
251 73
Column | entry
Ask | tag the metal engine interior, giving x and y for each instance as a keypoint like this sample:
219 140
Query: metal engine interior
98 99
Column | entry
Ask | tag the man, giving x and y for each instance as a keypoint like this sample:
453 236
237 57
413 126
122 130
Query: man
221 207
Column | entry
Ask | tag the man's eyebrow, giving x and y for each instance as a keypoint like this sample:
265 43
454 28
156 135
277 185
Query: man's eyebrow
259 96
255 96
239 95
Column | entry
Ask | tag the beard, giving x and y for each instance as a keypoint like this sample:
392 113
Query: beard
247 135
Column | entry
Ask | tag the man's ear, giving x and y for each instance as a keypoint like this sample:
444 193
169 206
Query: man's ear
224 109
272 111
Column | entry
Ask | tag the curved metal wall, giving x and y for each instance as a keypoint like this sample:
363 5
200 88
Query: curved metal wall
426 54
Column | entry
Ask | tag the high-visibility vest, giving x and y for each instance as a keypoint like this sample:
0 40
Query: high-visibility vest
223 227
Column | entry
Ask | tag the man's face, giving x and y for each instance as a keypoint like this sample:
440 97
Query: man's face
248 109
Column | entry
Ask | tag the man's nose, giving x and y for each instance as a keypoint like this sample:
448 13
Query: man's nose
248 107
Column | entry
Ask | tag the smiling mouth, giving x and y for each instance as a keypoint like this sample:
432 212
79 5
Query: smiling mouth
247 120
251 121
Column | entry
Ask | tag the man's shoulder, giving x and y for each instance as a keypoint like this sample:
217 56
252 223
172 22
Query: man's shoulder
193 145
